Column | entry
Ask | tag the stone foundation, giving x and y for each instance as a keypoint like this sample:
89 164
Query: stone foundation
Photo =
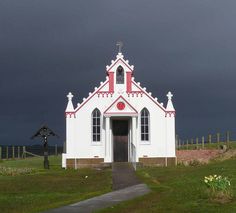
84 162
158 161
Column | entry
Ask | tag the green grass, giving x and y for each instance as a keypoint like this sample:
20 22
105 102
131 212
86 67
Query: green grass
47 189
180 189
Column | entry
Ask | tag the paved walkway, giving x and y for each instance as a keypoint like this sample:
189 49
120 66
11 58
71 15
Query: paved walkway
103 201
125 183
123 175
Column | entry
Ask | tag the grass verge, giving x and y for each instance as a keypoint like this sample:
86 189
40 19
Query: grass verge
46 189
180 189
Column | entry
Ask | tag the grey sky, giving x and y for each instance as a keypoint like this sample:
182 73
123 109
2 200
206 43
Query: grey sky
48 48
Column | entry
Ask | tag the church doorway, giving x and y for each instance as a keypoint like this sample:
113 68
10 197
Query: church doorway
120 129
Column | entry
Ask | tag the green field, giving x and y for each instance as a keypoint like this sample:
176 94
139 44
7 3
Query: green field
180 189
174 189
45 189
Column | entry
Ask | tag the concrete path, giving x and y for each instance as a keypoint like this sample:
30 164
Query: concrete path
123 175
103 201
125 183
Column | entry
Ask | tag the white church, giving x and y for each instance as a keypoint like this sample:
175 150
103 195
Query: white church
120 121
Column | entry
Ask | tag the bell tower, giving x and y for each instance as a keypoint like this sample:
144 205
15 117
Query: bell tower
120 73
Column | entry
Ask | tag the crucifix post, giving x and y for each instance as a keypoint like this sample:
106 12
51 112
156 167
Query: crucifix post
45 146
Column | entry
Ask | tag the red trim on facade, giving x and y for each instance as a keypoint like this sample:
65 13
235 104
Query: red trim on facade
149 96
121 113
69 114
128 82
120 105
169 113
124 101
117 62
94 93
105 94
111 82
137 93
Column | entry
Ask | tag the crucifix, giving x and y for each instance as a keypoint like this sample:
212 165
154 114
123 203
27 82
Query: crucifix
44 132
120 45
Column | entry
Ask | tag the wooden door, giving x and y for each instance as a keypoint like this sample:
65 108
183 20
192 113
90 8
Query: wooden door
120 140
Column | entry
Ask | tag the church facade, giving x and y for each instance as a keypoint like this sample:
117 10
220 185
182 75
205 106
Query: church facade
120 121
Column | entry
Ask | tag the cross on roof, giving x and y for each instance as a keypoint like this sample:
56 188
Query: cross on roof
120 45
70 96
169 95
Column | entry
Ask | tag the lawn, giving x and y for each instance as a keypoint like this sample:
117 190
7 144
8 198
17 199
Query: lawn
45 189
180 189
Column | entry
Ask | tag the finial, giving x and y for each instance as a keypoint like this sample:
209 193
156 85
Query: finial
120 45
70 96
169 95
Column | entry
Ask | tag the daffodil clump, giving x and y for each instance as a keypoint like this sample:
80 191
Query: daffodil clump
217 183
7 171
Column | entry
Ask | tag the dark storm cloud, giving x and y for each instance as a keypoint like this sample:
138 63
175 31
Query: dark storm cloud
48 48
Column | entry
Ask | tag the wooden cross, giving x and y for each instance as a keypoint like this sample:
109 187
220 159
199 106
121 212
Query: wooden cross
120 45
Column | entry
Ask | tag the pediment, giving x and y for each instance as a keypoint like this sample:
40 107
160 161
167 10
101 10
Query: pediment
121 107
120 61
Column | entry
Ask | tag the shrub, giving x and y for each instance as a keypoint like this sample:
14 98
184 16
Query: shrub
219 187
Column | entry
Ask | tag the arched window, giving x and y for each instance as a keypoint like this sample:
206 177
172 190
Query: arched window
145 125
120 75
96 125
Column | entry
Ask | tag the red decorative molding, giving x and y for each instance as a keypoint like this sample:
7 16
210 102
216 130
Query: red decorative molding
70 114
170 113
121 97
123 63
135 93
111 82
104 94
128 82
150 97
94 93
120 105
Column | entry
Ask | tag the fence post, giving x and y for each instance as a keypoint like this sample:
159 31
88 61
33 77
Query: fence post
13 152
179 143
209 138
218 139
0 153
18 152
187 144
6 152
192 141
227 138
56 149
197 143
23 154
203 140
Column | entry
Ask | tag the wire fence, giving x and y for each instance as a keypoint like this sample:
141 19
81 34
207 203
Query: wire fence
218 140
15 151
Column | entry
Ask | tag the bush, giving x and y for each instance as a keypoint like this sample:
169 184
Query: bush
219 187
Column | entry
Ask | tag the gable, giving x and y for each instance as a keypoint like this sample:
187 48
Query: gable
120 107
142 91
98 91
120 61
